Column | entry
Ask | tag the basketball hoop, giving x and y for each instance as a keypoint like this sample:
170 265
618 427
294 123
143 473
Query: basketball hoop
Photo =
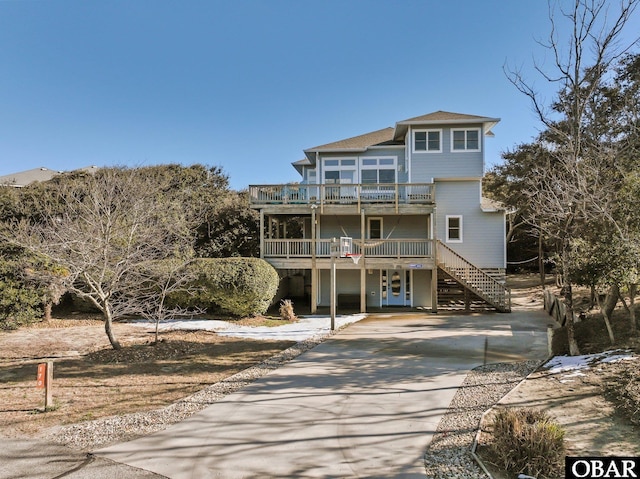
354 257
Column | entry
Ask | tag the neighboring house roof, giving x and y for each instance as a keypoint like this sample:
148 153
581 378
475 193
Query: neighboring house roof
23 178
395 135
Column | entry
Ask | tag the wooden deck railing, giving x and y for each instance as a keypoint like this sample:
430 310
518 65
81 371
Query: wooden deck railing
473 278
341 194
388 248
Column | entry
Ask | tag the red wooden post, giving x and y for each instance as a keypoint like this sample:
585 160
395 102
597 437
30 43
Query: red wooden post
41 377
44 380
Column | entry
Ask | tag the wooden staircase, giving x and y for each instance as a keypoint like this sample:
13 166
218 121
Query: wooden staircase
476 283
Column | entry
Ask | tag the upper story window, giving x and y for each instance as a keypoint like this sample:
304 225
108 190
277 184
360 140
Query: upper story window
339 170
378 170
374 230
454 228
429 141
312 176
465 140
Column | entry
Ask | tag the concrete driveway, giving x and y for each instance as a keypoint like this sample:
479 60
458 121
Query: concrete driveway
365 403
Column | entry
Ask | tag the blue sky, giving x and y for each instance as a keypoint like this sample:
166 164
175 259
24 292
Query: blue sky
247 84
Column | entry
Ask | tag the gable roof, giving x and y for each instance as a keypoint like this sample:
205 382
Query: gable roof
300 164
395 136
355 143
444 118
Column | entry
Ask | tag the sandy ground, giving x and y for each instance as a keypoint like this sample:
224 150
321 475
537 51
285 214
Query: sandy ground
572 391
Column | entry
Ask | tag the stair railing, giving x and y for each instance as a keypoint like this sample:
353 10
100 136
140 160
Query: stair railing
473 278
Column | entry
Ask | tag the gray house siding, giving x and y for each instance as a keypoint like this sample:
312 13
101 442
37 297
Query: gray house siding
393 227
347 282
421 288
447 164
483 234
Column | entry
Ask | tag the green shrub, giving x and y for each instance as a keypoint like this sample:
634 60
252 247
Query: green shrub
20 300
237 286
527 441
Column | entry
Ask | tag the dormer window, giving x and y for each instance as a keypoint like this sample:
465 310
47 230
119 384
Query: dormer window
465 140
429 141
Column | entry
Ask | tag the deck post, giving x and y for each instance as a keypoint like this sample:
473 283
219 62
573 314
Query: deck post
262 233
314 270
363 270
434 271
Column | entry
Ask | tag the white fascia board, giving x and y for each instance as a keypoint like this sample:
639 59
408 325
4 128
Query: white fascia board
487 123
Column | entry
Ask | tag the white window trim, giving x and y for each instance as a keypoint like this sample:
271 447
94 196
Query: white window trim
339 167
466 150
377 166
450 240
413 141
315 176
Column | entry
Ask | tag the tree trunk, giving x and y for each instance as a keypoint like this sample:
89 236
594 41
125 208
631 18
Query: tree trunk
574 350
633 288
607 320
48 306
630 309
611 300
543 277
108 327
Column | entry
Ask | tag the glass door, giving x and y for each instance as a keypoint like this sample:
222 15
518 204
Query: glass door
394 287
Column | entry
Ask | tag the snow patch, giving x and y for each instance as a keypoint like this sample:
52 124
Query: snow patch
574 364
307 327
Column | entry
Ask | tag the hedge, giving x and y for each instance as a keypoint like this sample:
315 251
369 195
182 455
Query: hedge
236 286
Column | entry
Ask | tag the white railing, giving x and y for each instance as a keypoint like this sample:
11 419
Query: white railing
389 248
474 278
364 193
296 248
397 248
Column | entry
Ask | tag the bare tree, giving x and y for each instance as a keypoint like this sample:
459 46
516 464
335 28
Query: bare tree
102 229
159 280
569 190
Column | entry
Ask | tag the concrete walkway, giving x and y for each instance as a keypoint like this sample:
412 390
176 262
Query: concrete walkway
365 403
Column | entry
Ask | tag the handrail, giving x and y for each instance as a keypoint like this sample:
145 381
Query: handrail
388 248
474 278
341 193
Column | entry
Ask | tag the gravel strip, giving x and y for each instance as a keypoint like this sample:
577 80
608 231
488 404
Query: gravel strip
449 454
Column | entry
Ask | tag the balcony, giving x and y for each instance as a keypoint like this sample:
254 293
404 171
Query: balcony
388 248
343 194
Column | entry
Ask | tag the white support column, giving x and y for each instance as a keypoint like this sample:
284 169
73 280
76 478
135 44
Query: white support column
314 269
363 269
261 233
434 271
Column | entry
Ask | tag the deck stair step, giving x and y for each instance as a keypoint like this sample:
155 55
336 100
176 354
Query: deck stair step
473 281
453 296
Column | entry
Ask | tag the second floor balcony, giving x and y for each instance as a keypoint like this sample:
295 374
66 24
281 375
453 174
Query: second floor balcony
382 248
343 194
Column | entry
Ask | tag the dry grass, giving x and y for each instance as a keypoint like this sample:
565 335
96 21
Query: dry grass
92 380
